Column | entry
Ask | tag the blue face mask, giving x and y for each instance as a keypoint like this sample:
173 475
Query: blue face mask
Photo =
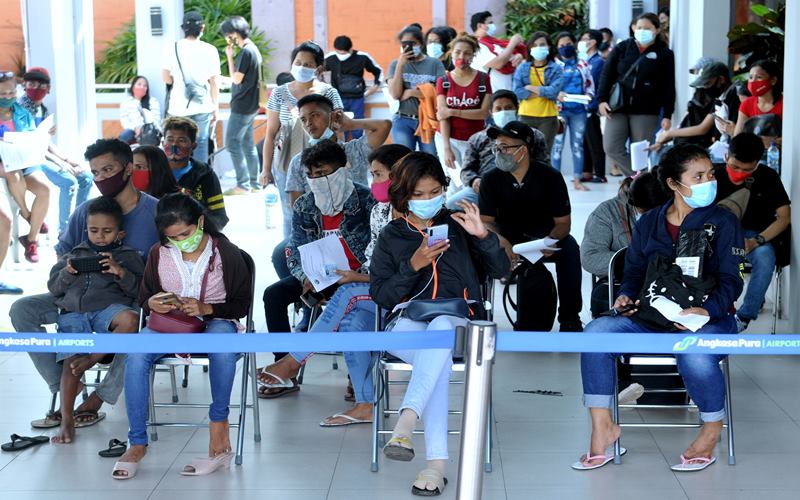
435 50
325 135
703 194
540 53
491 29
644 37
501 118
426 209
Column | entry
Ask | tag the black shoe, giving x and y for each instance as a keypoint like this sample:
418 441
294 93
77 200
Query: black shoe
599 180
571 326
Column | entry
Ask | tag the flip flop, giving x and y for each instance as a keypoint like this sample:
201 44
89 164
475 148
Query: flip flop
282 391
607 457
130 469
207 465
282 383
95 415
52 420
19 443
430 476
399 448
116 448
349 421
693 464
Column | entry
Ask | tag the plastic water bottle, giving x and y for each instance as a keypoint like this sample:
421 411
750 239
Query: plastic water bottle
774 157
271 202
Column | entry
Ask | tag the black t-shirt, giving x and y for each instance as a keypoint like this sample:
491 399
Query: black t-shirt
244 96
767 194
524 212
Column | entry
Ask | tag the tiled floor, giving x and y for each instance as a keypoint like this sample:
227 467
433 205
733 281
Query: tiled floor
536 438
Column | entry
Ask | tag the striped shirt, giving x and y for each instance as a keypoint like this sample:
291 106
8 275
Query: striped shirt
283 102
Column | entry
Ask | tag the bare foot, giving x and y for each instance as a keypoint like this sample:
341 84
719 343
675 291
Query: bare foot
80 364
134 454
219 438
602 438
578 185
361 411
706 441
66 432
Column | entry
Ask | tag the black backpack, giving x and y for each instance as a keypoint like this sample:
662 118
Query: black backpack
536 298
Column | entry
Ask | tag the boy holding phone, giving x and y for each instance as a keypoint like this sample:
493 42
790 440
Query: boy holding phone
96 286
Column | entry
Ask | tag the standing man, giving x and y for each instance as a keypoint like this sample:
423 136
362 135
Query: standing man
347 68
595 163
497 57
191 67
245 73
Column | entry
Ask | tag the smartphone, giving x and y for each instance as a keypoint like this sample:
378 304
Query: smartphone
436 234
88 264
407 46
169 298
624 309
311 298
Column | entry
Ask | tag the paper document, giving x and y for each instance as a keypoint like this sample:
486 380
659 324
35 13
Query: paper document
321 259
672 310
532 250
20 150
640 159
578 98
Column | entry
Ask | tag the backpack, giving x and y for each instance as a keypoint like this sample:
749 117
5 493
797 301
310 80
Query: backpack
536 298
481 83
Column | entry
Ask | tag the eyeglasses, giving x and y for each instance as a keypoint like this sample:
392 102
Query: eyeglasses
34 84
505 149
6 75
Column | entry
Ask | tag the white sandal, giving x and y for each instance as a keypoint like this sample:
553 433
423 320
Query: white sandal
129 468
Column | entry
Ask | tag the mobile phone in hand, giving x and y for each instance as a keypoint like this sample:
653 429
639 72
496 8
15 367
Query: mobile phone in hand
88 264
311 298
436 234
169 299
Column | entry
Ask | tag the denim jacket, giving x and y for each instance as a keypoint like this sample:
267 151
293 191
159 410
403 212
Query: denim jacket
307 226
553 80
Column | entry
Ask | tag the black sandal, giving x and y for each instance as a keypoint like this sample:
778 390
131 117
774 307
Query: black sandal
116 448
19 443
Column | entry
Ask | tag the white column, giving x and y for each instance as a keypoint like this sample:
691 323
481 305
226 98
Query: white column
59 35
439 12
599 13
321 23
791 151
150 48
276 19
621 15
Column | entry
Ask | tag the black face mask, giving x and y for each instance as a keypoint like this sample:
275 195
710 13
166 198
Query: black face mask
104 248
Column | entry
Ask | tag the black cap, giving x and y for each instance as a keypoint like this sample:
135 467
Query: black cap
192 18
710 71
514 130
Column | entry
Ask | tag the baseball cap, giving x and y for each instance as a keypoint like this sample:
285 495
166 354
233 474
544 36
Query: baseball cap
192 17
703 61
37 74
514 130
709 72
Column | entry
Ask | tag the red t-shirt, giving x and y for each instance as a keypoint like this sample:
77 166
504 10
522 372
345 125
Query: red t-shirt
672 230
468 97
750 108
330 225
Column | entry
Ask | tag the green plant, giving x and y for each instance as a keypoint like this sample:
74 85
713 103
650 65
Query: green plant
755 41
118 61
551 16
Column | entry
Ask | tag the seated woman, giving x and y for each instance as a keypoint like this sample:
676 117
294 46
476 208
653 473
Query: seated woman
685 172
405 267
151 172
140 108
206 277
351 308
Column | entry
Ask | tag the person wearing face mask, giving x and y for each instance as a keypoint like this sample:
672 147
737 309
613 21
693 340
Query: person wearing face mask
437 42
463 105
406 73
537 83
594 167
209 279
524 199
152 173
479 156
96 301
111 163
140 108
765 220
405 267
687 174
193 176
497 56
766 96
644 67
191 72
347 67
577 81
334 205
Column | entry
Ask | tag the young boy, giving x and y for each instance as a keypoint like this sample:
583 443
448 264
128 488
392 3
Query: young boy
94 300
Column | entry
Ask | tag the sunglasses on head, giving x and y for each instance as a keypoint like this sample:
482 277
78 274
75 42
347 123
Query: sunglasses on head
6 75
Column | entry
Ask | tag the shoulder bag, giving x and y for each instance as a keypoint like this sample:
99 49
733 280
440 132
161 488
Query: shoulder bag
191 90
616 97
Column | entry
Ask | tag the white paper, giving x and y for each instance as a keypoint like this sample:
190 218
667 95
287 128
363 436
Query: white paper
532 250
672 310
640 158
689 265
20 150
578 98
321 259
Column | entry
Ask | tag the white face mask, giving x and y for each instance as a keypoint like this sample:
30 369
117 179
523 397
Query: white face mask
331 191
583 50
343 57
501 118
303 74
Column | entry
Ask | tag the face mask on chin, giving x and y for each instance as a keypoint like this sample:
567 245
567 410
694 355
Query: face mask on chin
325 135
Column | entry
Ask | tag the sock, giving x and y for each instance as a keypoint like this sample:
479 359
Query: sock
405 424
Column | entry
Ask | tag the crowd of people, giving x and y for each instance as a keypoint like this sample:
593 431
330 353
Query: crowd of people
478 130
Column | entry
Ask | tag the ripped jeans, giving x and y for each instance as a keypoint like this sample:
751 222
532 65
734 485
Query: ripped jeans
575 125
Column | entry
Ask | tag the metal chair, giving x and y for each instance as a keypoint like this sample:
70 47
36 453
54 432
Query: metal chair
615 271
315 313
248 375
387 363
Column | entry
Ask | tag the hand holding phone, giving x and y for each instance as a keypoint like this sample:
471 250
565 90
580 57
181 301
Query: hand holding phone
88 264
436 234
168 298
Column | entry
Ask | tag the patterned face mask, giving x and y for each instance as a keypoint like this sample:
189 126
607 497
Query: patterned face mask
191 243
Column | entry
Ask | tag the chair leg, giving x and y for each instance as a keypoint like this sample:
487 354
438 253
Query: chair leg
335 363
386 391
256 408
173 384
151 404
376 417
776 303
729 411
615 418
301 374
487 466
53 401
242 410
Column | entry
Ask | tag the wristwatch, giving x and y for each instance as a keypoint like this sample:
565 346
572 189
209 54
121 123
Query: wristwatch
760 240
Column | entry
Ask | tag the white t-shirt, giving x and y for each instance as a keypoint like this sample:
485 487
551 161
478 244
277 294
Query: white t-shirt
200 62
498 80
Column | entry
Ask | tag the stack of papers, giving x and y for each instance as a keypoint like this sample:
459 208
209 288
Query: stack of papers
578 98
532 250
321 259
20 150
672 311
640 158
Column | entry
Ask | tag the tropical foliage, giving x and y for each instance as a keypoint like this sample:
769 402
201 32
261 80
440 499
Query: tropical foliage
551 16
759 40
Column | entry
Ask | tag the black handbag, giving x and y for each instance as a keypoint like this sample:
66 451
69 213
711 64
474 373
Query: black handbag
430 309
616 97
149 135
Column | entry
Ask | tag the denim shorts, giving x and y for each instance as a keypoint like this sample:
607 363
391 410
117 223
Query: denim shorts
88 322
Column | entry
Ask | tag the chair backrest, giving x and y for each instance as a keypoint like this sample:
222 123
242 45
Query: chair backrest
251 269
616 270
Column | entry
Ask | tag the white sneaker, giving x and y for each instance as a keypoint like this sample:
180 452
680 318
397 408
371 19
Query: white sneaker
630 394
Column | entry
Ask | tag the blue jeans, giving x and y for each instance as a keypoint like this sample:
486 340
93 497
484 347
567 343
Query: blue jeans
763 260
279 260
239 141
88 322
701 373
356 106
70 187
465 194
221 372
576 124
203 121
350 310
279 175
403 130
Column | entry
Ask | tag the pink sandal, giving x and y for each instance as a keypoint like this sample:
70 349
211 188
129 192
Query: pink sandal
207 465
606 457
693 464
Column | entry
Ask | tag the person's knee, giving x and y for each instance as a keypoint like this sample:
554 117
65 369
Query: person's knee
126 322
223 359
698 365
603 324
